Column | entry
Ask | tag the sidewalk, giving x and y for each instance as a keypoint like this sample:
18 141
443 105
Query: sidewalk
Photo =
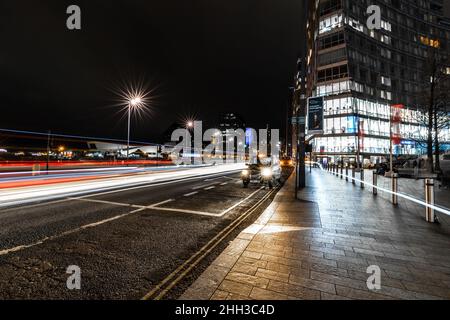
321 246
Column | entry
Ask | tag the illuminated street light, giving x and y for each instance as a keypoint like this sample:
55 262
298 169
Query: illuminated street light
134 97
134 103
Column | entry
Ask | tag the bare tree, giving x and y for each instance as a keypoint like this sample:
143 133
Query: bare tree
433 103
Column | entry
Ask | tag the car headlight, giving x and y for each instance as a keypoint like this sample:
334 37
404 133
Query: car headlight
245 173
266 172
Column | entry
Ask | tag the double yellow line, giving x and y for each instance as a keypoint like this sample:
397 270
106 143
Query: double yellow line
172 279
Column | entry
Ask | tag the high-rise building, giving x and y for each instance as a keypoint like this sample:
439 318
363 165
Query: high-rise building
363 71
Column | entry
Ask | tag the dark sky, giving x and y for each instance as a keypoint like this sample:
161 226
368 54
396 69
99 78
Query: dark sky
204 57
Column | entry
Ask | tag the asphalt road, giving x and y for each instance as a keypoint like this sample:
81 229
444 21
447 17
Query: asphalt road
125 241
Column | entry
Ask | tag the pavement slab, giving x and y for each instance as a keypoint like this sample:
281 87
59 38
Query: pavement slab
319 247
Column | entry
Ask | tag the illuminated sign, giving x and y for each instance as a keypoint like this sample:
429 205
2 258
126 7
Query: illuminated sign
315 115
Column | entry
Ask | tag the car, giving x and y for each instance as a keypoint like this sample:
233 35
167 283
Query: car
286 162
259 173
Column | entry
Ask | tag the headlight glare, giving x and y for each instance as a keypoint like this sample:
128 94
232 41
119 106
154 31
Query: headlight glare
266 172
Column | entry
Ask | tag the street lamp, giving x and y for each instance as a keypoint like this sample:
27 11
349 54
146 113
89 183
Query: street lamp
133 103
190 125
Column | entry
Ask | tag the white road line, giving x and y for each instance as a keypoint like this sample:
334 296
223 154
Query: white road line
160 203
190 194
201 213
204 186
151 207
108 202
240 202
91 225
210 188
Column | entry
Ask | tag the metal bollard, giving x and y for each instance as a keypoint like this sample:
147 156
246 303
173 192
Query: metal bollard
342 171
346 173
353 175
362 178
375 182
429 199
394 180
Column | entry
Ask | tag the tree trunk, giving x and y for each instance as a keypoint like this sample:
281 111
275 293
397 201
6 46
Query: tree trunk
436 142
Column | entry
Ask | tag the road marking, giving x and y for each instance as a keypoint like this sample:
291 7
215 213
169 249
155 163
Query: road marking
108 202
224 184
210 188
197 257
212 179
240 202
204 186
201 213
66 233
190 194
160 203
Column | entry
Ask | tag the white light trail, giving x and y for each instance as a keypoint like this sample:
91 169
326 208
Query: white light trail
19 196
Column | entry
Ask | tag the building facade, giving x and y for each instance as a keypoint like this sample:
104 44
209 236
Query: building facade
362 72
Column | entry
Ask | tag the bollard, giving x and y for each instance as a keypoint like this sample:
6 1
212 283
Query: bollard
375 182
429 199
335 169
353 175
346 173
342 171
394 180
362 178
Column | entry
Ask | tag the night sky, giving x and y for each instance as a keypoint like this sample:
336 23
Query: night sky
202 58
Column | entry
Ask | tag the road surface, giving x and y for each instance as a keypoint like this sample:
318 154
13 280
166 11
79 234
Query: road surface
126 241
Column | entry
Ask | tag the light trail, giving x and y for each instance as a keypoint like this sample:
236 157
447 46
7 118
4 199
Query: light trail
20 196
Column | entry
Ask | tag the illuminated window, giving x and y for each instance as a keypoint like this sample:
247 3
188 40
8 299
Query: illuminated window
386 81
430 42
386 26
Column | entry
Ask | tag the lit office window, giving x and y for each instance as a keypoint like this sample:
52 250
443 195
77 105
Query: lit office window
386 25
330 23
386 81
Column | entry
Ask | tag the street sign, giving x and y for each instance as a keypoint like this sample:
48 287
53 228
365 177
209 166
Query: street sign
315 115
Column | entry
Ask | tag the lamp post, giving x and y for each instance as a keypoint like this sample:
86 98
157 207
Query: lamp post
133 103
189 125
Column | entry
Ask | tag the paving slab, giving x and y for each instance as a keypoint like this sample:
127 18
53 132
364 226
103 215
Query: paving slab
320 247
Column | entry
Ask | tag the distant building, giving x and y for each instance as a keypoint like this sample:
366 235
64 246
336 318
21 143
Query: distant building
231 121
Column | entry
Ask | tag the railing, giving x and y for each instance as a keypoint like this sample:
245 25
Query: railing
429 203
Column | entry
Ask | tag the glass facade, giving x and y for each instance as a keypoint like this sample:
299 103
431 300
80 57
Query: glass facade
362 73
